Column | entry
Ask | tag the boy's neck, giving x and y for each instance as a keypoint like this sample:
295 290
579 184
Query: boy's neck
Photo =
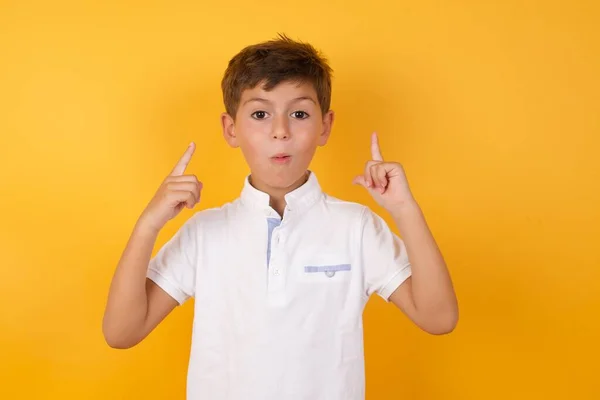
276 194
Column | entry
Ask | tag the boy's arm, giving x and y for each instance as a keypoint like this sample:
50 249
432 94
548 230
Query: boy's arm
427 297
135 305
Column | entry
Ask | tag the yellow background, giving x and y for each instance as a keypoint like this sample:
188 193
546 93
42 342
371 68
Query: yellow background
492 107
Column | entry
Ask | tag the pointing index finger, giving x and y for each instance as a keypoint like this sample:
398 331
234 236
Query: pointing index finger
184 161
375 151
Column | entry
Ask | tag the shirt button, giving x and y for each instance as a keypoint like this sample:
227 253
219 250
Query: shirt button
275 271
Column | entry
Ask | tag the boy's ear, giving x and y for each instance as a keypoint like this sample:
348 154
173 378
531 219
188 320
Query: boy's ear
327 125
228 125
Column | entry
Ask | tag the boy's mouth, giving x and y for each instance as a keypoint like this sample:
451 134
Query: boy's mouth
281 158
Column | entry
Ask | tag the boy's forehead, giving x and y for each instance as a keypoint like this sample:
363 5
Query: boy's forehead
286 90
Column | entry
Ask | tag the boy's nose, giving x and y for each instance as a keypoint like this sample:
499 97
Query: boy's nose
281 128
280 135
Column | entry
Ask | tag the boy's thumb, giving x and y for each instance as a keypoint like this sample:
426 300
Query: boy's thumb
359 180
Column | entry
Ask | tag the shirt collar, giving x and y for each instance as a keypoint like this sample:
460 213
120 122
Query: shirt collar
296 201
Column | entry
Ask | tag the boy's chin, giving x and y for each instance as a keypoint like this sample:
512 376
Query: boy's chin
285 179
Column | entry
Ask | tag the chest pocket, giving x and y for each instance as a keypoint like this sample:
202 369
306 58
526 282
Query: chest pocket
326 268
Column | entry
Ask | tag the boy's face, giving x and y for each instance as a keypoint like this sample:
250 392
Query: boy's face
278 132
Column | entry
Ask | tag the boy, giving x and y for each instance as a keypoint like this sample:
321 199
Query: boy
280 275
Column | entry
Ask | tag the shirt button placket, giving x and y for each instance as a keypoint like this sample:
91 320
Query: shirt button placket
276 277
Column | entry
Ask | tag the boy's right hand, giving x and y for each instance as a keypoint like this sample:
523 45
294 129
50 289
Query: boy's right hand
176 191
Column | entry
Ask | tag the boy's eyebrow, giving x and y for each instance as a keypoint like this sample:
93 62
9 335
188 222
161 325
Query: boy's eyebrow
262 100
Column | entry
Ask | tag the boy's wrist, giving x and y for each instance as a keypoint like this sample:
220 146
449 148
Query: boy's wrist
401 210
144 227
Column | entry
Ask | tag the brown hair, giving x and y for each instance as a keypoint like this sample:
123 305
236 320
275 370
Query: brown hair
273 62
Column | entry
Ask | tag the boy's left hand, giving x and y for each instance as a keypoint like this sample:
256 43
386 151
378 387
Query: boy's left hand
386 181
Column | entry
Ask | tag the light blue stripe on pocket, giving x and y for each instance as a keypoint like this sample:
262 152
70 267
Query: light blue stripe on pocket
327 268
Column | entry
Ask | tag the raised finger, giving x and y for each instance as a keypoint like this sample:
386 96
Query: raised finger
184 161
375 151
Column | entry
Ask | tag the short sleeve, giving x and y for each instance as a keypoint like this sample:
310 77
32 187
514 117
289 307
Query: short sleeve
173 268
383 256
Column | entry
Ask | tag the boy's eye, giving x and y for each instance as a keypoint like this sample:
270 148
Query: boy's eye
300 114
295 114
259 114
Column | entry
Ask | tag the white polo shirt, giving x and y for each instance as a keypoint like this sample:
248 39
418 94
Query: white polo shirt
279 301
